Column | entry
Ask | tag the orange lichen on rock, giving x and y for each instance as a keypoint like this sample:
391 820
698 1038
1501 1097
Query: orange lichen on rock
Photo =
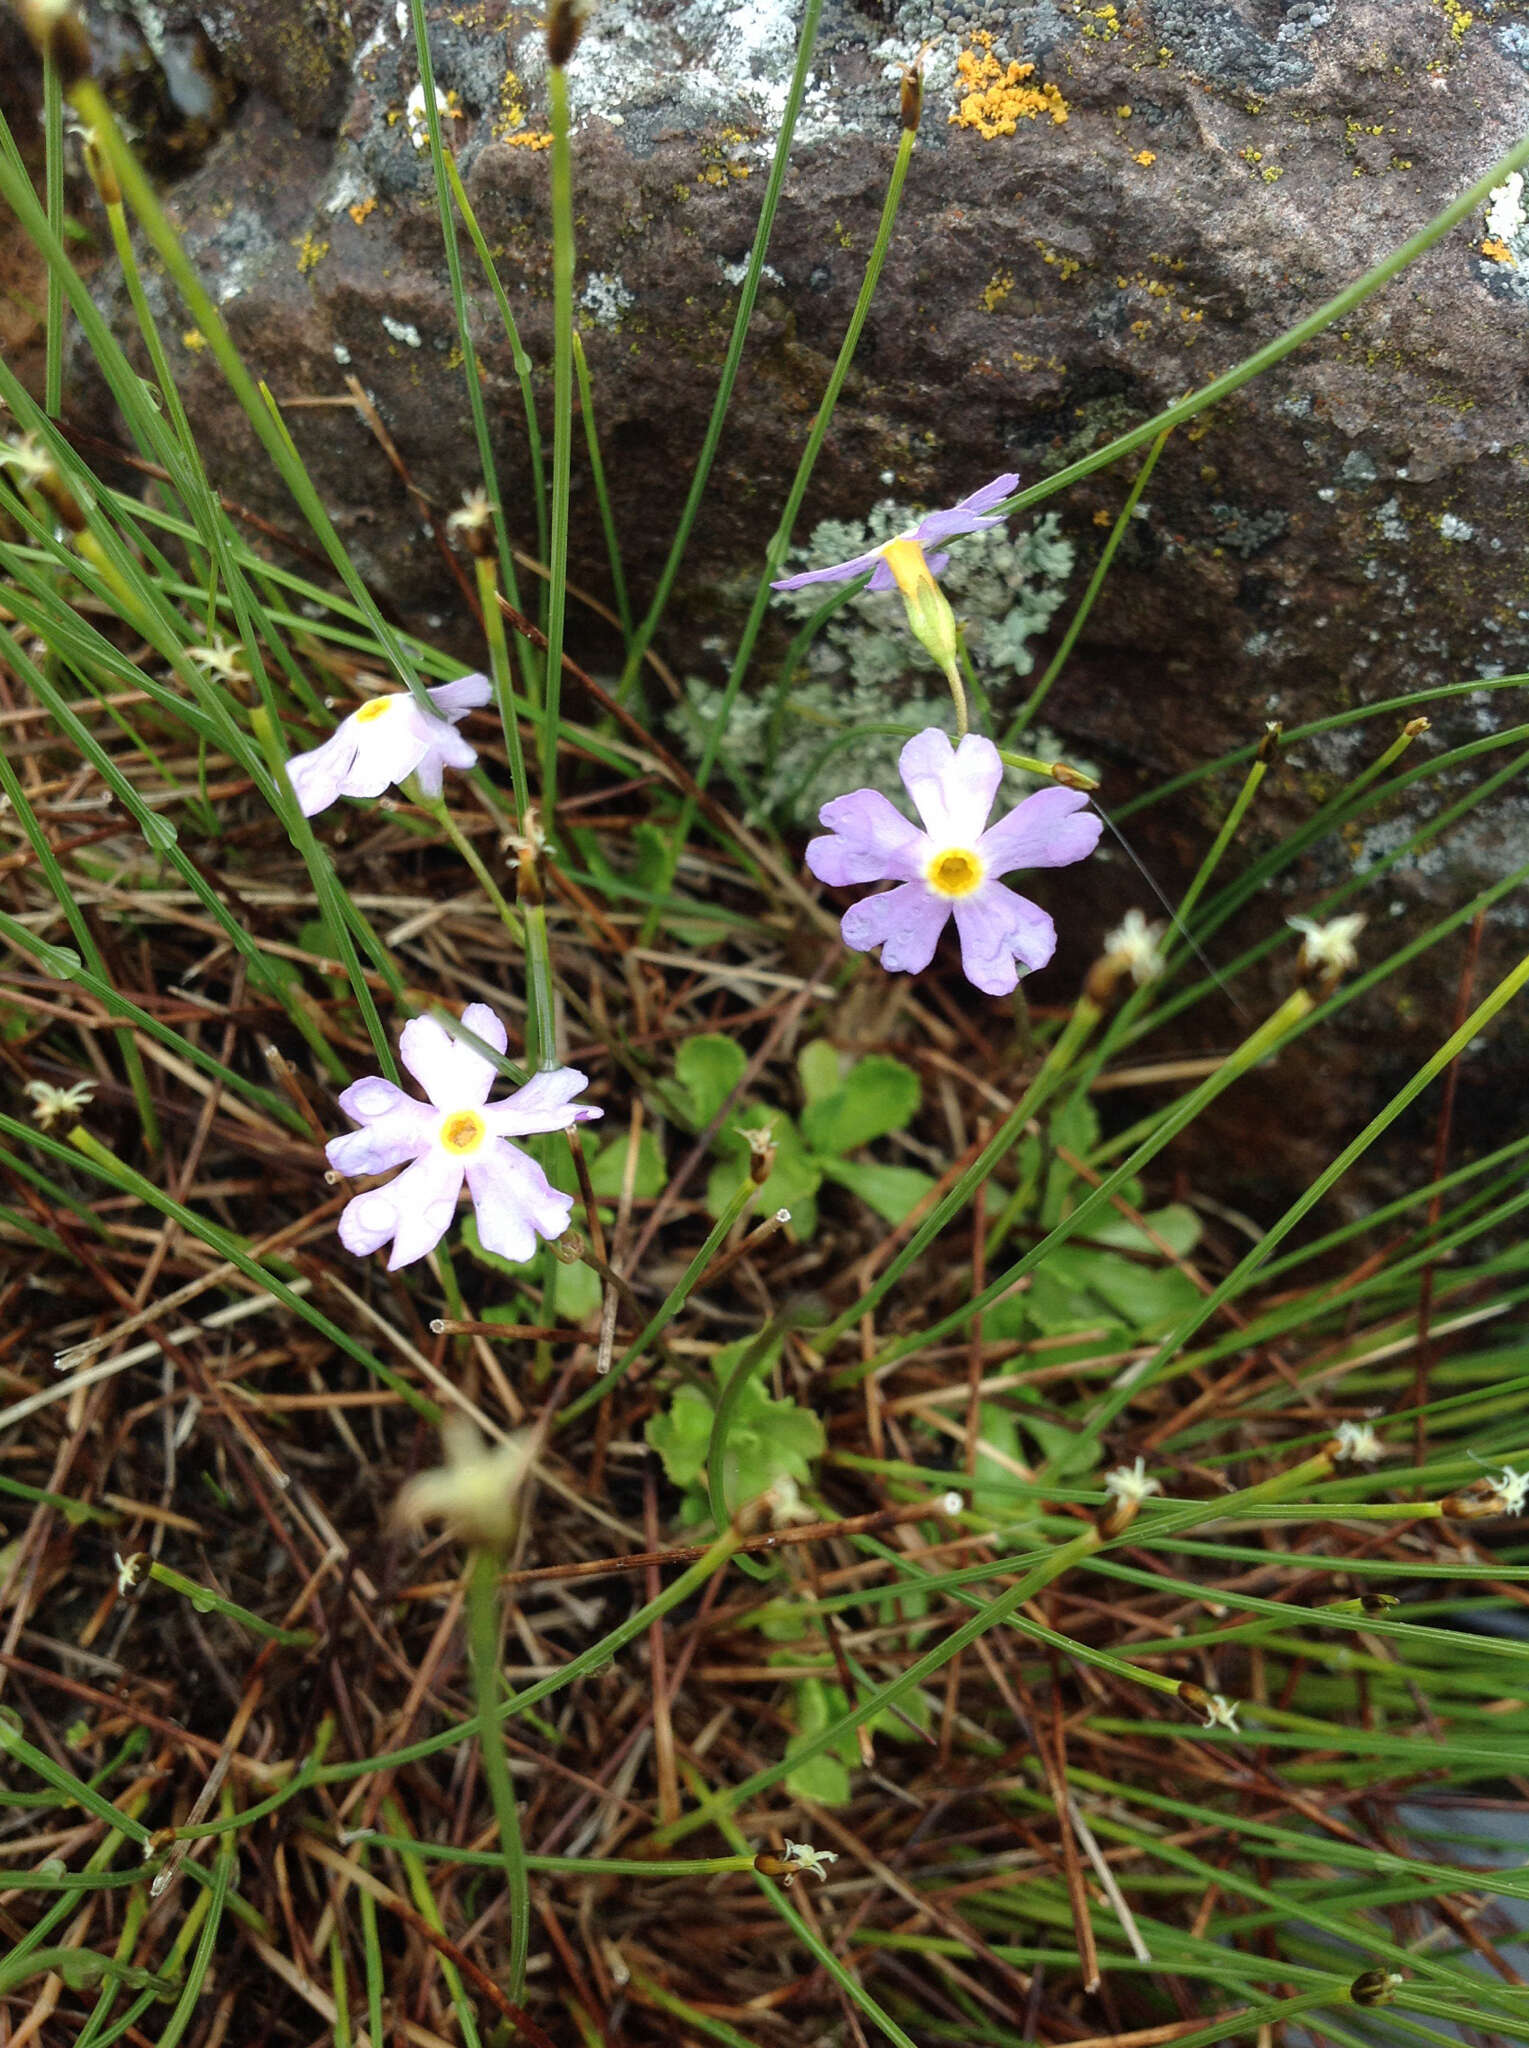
1498 251
995 98
525 140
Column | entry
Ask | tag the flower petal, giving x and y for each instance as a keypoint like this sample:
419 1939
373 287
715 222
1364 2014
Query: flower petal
387 749
371 1097
414 1211
318 777
386 1141
449 1071
448 750
953 787
836 572
468 693
545 1103
966 515
870 841
1050 829
514 1201
996 926
905 922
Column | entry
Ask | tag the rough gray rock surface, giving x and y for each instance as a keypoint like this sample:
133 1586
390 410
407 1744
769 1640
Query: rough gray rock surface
1349 527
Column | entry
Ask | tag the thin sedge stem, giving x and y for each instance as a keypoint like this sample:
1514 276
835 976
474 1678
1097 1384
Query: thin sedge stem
560 121
484 1655
775 551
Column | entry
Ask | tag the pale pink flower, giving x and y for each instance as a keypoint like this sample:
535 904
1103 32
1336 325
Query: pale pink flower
972 514
387 739
952 867
460 1135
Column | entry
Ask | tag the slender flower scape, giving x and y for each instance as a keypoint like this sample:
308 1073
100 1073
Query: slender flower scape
460 1136
951 868
390 738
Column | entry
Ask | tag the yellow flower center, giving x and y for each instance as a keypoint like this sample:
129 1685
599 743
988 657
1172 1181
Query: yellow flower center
905 558
954 872
463 1132
376 707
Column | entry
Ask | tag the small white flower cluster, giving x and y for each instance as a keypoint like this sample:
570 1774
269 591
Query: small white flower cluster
1220 1712
1137 945
1357 1443
805 1861
49 1104
1129 1486
1328 949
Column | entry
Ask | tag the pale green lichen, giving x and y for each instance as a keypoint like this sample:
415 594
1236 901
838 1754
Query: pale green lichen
865 668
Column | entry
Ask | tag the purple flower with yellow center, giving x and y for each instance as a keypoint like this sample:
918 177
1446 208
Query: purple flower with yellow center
951 868
902 561
459 1135
389 738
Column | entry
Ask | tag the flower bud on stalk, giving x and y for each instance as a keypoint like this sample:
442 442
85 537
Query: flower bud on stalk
565 24
912 99
102 174
60 37
1131 954
1375 1987
528 867
474 525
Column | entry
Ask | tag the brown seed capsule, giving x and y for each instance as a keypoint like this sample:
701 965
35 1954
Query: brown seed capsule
60 35
103 176
1268 746
913 92
565 24
1416 727
1374 1987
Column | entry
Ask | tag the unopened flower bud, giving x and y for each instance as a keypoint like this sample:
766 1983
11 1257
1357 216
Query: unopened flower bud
1268 746
1415 728
569 1248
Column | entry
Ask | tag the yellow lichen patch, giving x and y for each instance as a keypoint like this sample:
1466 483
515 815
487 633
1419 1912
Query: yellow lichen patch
1101 23
1145 156
1498 251
542 140
995 98
998 287
310 253
1458 15
362 208
195 340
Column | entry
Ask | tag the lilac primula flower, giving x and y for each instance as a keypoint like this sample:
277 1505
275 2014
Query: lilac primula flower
952 866
458 1135
893 561
388 738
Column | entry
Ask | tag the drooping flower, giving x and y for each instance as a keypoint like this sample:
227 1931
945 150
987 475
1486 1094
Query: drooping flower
388 738
477 1491
968 515
951 868
459 1135
902 560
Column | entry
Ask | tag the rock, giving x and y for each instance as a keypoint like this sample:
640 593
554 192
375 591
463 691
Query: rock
1182 182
